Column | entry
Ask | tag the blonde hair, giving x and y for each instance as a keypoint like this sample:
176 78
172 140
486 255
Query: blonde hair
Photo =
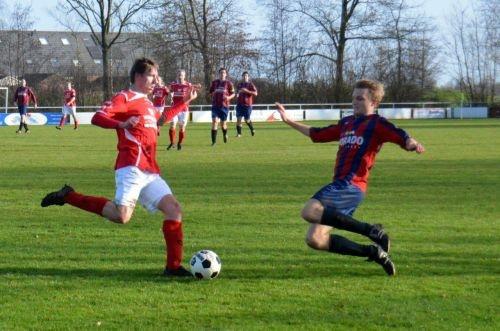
376 88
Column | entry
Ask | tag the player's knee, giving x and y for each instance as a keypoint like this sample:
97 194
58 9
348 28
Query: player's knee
315 241
171 209
312 212
308 215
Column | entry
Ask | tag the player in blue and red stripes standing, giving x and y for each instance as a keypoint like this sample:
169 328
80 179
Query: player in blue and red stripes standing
360 138
22 97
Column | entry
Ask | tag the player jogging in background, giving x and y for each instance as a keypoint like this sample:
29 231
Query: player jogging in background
137 174
22 97
69 107
360 138
179 89
160 94
246 92
222 91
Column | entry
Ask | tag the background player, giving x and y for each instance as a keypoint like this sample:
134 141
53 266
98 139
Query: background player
69 107
360 138
160 94
246 92
222 91
179 89
137 174
22 97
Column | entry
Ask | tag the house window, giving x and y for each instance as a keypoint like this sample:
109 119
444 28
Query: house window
97 61
29 61
43 41
75 62
65 41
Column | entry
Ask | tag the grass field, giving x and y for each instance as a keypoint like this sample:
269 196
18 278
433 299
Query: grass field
62 268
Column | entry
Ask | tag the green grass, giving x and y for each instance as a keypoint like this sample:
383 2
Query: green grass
62 268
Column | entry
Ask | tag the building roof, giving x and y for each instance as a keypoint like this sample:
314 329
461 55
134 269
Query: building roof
64 52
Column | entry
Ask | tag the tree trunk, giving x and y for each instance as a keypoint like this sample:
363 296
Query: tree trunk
207 74
106 88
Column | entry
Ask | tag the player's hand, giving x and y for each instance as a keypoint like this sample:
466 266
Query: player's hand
193 94
413 145
130 123
281 111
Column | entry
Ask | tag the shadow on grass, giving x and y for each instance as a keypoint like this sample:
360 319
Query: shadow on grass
139 275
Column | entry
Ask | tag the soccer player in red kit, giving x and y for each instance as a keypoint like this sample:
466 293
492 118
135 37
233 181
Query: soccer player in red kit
22 97
246 92
179 89
69 107
160 94
137 174
222 91
360 138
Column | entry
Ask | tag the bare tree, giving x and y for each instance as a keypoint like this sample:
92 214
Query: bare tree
335 23
475 53
18 46
406 56
106 19
283 46
207 30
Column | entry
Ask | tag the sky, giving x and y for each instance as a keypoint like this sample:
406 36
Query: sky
440 10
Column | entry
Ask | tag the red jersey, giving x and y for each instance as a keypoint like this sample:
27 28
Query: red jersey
360 139
220 90
136 145
179 91
24 95
245 99
70 97
159 95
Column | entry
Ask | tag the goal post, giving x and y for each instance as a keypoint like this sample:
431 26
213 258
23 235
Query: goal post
4 98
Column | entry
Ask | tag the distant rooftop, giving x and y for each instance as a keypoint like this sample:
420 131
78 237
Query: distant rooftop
62 52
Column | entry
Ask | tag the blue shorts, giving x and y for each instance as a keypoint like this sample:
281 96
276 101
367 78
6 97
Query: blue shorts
220 112
243 111
344 198
23 109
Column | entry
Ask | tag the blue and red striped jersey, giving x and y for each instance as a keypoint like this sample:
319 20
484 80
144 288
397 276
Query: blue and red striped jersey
360 139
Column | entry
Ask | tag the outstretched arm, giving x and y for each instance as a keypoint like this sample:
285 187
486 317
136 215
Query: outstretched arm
171 112
388 132
302 128
104 117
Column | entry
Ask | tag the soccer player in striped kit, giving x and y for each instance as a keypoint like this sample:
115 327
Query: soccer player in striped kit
222 91
360 138
246 92
137 173
22 97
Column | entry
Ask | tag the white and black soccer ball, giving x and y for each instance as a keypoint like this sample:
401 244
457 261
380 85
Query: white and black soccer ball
205 265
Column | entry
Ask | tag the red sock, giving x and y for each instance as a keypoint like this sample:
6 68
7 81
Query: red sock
86 202
181 136
171 134
172 232
61 122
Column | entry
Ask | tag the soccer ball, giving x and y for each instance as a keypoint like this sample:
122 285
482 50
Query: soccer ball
205 265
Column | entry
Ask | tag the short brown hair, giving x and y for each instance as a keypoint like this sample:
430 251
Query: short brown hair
141 66
376 88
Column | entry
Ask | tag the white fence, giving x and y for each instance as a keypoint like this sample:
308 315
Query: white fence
304 112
